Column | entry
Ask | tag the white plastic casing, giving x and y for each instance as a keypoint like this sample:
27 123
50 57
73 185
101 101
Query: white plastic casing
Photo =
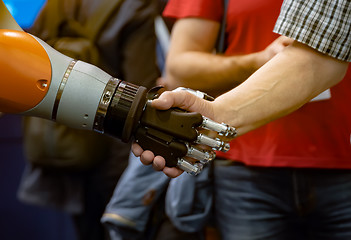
81 93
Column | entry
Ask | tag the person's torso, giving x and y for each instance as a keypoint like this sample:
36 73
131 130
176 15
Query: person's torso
318 134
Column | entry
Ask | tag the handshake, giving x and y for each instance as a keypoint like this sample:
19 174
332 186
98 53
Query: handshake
82 96
186 140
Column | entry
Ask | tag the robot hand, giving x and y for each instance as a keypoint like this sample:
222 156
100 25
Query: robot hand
172 133
175 133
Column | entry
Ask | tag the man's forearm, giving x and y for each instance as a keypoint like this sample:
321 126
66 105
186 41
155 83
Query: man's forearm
208 72
281 86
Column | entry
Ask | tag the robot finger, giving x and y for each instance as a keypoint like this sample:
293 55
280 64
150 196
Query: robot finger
193 169
215 144
202 155
222 128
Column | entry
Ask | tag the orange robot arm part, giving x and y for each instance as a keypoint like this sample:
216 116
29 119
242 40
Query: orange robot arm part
25 71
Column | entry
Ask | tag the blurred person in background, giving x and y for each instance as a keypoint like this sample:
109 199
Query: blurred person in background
125 48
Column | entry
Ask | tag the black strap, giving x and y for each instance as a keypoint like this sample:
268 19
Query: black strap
220 47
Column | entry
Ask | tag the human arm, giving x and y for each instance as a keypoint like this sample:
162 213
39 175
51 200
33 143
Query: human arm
283 85
292 78
192 63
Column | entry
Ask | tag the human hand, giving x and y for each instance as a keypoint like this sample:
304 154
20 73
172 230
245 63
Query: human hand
158 162
184 100
195 154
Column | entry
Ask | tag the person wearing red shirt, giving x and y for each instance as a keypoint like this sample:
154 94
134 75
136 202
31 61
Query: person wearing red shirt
289 173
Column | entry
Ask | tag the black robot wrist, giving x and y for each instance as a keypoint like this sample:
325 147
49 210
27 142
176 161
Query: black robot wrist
120 108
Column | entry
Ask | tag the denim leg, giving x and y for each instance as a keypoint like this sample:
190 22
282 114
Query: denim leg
330 217
282 203
253 203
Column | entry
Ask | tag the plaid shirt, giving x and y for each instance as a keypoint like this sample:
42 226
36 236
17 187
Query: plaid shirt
321 24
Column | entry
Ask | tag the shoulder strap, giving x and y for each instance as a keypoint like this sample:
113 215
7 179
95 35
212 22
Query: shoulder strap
96 22
221 36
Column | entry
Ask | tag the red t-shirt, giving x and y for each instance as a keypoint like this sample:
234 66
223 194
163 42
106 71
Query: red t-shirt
317 135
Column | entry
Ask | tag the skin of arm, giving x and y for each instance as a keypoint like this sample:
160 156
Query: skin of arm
285 83
191 62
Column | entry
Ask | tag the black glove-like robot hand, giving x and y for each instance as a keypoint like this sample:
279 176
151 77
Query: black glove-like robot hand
172 134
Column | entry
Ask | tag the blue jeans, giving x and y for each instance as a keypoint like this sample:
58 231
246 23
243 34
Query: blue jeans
254 203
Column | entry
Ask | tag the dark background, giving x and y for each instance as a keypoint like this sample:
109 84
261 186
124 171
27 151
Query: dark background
19 221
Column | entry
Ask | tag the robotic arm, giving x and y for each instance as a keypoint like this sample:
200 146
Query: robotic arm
36 80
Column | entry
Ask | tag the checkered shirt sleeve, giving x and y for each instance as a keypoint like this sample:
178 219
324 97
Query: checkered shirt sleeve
321 24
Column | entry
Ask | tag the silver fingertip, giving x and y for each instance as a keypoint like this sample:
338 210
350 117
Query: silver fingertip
222 128
226 147
202 155
193 169
231 132
215 144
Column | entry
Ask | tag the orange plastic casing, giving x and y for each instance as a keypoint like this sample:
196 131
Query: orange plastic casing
25 71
